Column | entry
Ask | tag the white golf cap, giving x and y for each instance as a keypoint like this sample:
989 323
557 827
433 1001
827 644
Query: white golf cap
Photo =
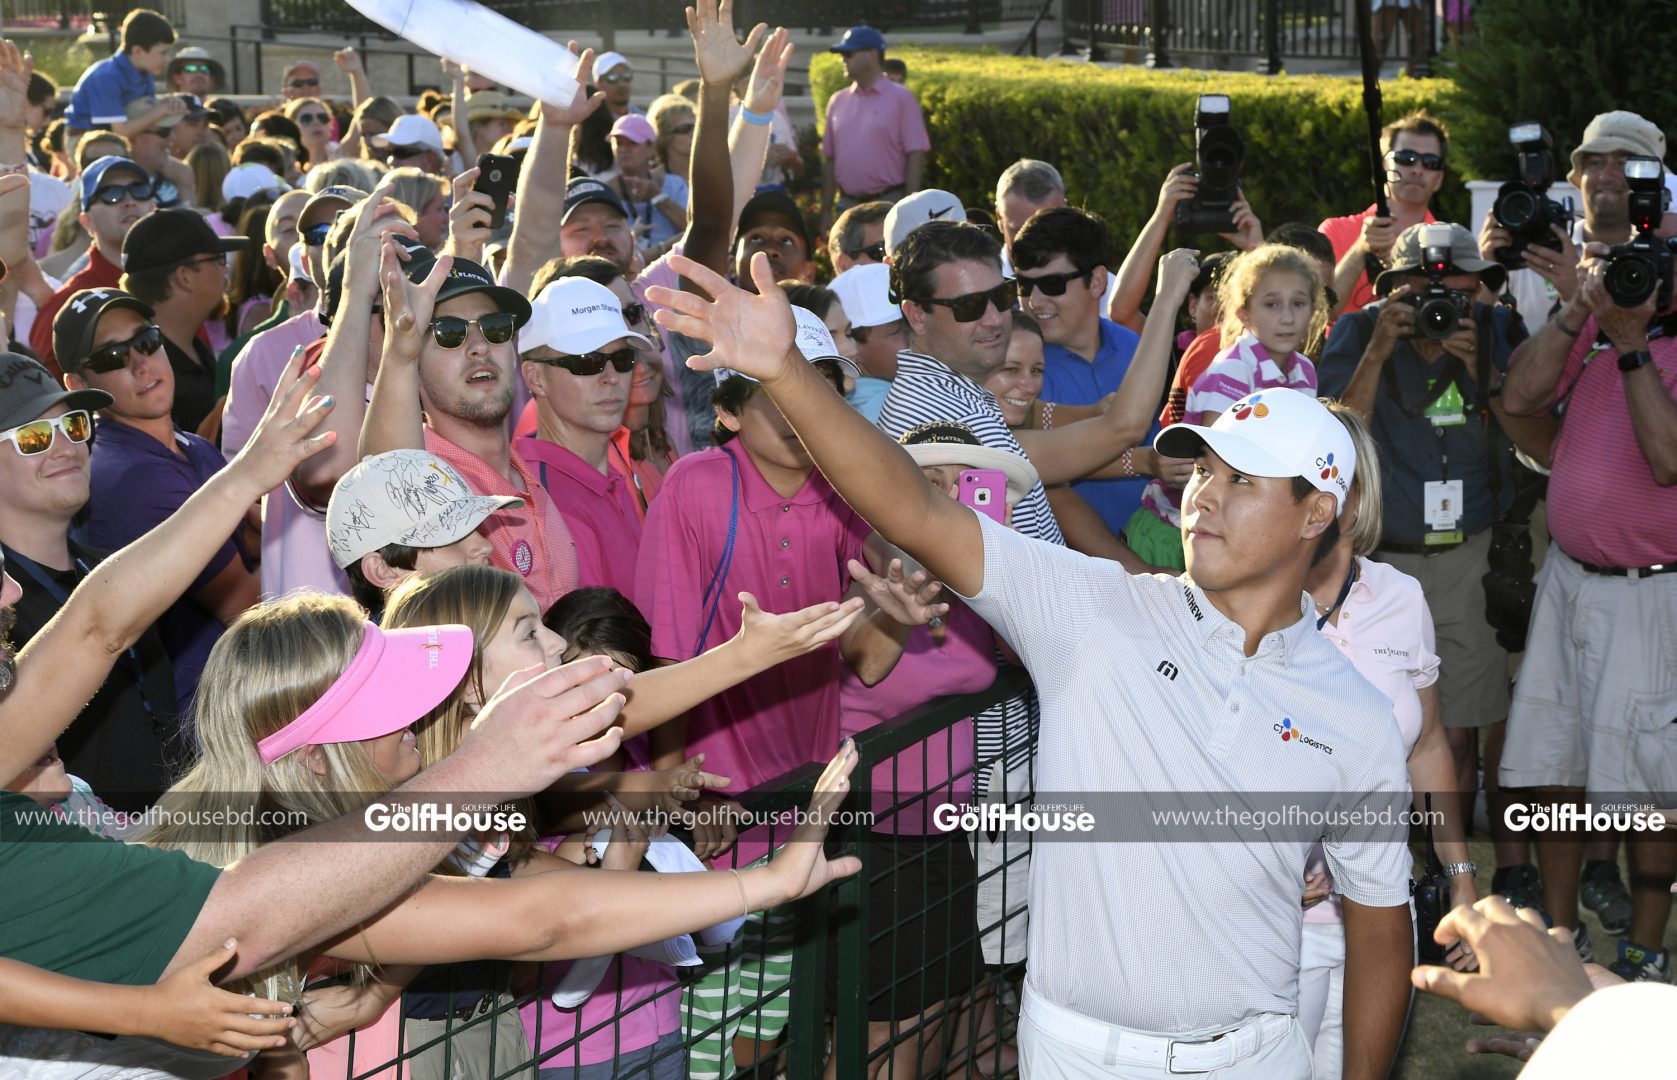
1274 432
407 497
865 293
815 341
575 315
919 209
608 60
299 265
243 181
411 129
945 442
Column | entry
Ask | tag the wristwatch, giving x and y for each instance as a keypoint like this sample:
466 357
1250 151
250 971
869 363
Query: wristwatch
1452 869
1632 360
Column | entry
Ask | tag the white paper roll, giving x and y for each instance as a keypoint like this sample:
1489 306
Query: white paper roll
485 41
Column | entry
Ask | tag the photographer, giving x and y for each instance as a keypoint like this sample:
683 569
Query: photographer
1427 405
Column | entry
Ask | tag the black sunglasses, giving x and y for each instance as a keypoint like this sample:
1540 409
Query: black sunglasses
622 361
139 190
1406 158
115 356
396 153
972 306
297 84
1051 284
449 331
315 235
634 314
313 118
874 251
680 129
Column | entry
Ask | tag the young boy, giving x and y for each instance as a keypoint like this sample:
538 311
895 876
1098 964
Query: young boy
102 94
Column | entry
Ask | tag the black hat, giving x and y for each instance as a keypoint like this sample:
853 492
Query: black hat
586 189
27 391
167 238
77 322
779 204
466 277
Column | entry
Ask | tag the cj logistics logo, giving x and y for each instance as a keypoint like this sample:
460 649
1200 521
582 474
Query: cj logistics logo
1291 734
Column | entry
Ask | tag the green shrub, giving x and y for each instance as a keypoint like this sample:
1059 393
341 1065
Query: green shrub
1115 132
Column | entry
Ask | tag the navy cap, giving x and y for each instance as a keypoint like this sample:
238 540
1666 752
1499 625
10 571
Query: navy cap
93 176
585 189
858 38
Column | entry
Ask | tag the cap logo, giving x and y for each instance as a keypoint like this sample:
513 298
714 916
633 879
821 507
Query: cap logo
1330 471
23 367
98 296
935 214
1252 406
432 647
589 309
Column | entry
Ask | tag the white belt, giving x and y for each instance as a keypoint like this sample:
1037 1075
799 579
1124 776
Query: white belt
1120 1046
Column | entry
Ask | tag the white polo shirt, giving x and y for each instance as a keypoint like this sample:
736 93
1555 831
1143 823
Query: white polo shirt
1146 688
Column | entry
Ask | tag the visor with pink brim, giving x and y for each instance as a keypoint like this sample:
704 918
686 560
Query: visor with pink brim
397 677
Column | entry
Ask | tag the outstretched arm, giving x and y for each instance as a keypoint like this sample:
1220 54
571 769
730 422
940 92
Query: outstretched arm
541 191
714 178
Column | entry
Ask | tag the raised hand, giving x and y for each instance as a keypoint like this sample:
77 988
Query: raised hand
582 104
468 217
284 437
543 724
1180 183
1177 270
1248 230
751 334
910 600
187 1009
348 60
721 55
768 75
408 304
774 639
684 783
378 220
801 866
15 68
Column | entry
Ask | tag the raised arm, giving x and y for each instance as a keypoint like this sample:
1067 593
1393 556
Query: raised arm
458 119
714 177
1137 268
394 419
540 199
754 335
349 62
748 142
15 69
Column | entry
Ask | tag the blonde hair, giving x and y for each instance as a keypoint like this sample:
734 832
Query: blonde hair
275 661
1242 277
1365 481
210 165
668 111
413 187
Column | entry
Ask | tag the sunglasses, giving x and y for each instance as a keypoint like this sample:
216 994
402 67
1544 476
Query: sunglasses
1406 158
36 438
634 314
622 361
315 235
298 84
617 78
313 118
680 129
449 331
139 191
874 251
1050 284
972 306
397 153
196 68
115 356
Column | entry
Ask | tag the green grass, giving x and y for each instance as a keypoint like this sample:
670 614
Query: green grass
59 59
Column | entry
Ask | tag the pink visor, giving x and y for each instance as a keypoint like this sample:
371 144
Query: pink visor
397 677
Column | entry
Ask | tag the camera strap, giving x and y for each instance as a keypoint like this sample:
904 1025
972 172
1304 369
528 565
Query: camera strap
1481 405
1454 374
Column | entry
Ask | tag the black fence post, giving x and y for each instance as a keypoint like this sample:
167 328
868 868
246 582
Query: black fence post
1158 31
975 24
1067 24
1272 38
1421 47
608 26
1095 53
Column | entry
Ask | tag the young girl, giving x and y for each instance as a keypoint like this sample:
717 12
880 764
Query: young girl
1274 309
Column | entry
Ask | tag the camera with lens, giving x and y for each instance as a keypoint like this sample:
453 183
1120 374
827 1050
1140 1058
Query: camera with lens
1521 205
1439 309
1219 152
1642 268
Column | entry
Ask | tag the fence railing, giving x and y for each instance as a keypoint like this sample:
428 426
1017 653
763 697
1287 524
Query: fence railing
823 1007
79 14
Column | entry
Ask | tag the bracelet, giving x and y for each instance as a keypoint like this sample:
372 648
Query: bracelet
760 119
1124 462
1556 322
1047 415
744 900
1456 869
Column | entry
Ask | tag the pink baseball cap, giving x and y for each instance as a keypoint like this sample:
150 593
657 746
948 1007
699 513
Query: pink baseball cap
635 128
397 677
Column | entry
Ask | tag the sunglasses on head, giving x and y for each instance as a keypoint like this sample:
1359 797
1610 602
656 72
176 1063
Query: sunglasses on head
36 438
874 251
115 356
313 118
449 331
622 361
1050 284
1406 158
196 68
972 306
139 191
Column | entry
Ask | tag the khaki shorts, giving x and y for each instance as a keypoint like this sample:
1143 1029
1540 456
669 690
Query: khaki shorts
1472 667
1596 702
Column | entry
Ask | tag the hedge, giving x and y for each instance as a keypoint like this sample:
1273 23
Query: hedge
1115 132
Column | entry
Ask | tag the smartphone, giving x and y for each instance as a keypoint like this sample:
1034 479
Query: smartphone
985 490
497 176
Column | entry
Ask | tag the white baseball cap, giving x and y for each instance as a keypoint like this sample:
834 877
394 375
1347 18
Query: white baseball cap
815 341
919 209
575 315
299 265
243 181
865 293
411 129
608 60
410 497
1274 432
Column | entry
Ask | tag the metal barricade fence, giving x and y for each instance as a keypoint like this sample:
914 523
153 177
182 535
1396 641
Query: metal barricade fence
869 944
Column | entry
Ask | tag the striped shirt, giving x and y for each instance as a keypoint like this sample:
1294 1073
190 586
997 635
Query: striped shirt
1599 468
927 390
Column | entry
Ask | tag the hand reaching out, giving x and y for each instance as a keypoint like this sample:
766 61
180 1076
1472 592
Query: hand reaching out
582 104
773 639
768 75
408 304
721 55
15 68
911 601
189 1010
749 333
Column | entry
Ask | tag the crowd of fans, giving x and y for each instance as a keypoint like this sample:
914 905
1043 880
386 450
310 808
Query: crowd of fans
367 455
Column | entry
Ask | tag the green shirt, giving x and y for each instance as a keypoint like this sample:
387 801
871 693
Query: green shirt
88 906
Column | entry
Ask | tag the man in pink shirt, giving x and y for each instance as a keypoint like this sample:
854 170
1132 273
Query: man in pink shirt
579 357
1415 149
874 143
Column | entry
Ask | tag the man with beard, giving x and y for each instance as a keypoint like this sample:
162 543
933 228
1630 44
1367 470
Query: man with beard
1415 148
176 264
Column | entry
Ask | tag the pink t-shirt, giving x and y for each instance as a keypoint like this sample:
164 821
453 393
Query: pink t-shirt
1599 468
636 1003
788 552
869 133
1385 630
599 509
939 766
1342 232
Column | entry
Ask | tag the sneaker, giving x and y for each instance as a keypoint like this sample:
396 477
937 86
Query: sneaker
1581 942
1522 887
1636 964
1605 894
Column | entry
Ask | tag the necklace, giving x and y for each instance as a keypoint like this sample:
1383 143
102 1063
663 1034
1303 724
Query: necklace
1344 591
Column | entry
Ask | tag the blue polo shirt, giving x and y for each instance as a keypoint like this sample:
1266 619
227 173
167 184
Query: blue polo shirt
137 482
103 92
1070 379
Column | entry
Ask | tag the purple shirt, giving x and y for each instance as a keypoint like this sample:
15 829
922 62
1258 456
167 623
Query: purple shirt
137 482
869 134
598 507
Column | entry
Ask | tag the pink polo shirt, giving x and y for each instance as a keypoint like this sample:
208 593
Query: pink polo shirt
789 553
1599 472
869 133
531 540
599 509
941 766
1342 232
1385 630
256 370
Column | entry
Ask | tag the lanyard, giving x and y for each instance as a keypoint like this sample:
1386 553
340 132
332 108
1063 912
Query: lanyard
1344 591
629 468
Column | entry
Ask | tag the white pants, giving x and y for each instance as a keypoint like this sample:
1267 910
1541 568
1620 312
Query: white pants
1322 996
1049 1055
